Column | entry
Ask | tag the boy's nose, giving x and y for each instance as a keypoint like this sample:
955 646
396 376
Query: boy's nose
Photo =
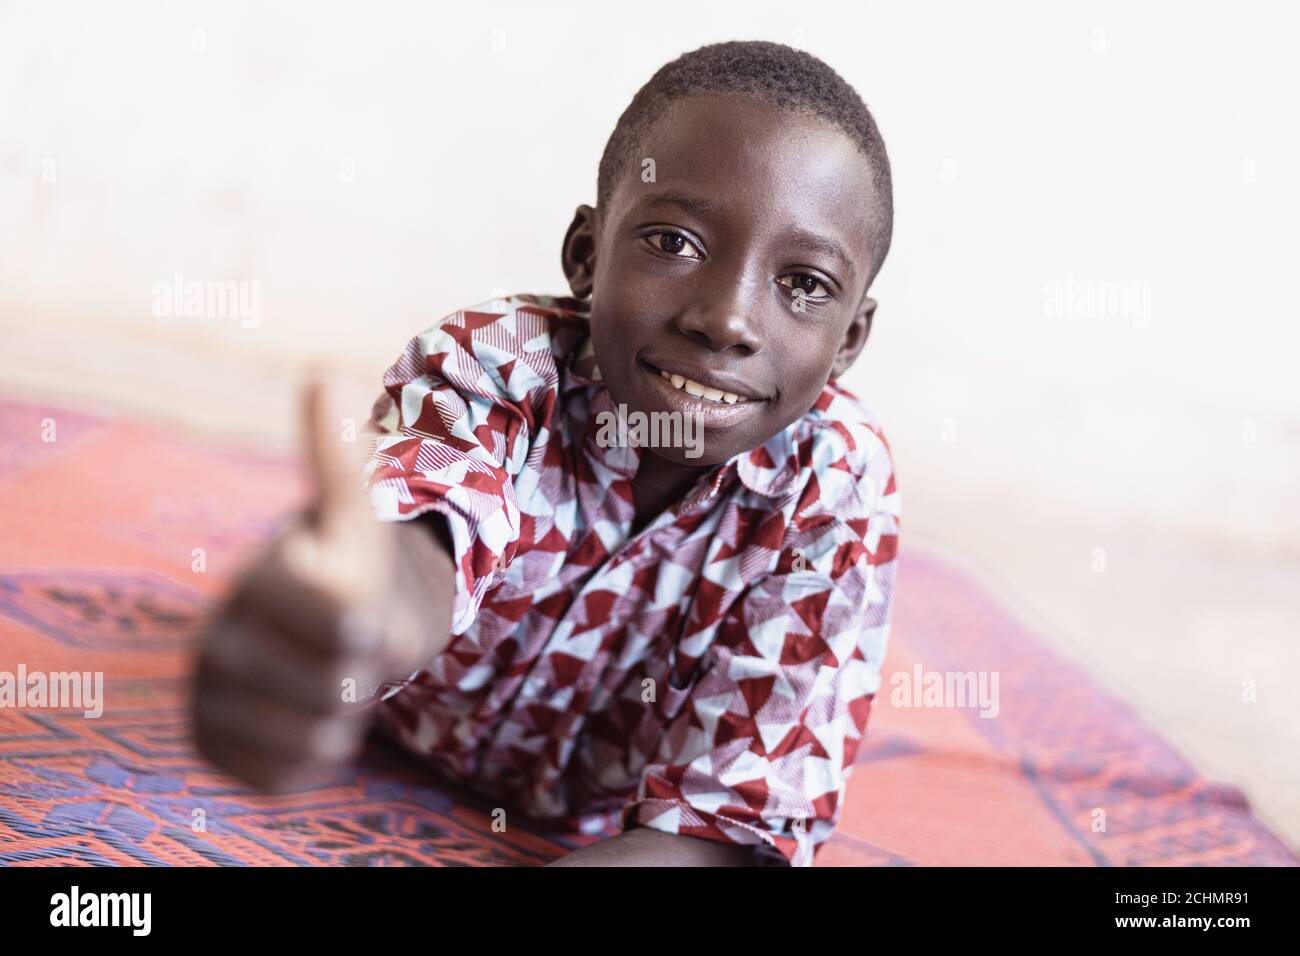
725 321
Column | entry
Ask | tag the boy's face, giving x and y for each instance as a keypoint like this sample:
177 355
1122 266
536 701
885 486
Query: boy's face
698 273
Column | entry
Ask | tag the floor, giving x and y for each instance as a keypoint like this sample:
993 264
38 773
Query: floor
1198 634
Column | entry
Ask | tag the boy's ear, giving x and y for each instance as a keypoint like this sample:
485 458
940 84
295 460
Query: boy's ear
854 337
578 255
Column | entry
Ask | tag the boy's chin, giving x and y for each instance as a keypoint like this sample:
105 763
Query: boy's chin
705 457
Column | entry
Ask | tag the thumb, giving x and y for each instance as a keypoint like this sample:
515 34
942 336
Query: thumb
334 450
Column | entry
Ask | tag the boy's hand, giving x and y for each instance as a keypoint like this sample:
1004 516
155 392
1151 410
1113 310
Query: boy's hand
325 615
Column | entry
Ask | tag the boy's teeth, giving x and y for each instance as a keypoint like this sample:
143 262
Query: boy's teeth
696 390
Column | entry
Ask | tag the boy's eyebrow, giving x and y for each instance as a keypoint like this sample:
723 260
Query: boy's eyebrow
702 206
819 243
696 204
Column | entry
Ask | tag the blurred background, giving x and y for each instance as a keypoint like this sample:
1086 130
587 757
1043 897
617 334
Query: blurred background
1085 357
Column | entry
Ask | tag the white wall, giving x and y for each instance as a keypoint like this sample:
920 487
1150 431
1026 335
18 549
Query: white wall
372 166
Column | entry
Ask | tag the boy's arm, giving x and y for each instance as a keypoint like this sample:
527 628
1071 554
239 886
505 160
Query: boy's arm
645 846
426 575
334 605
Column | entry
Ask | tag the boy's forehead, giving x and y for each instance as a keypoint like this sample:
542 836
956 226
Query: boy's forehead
739 158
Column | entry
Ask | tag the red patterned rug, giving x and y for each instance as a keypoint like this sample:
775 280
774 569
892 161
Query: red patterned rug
98 535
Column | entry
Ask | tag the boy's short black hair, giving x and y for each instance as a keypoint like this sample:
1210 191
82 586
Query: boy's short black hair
777 74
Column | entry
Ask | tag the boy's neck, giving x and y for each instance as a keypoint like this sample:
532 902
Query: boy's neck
660 484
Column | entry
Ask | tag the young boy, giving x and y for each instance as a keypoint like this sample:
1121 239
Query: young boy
671 643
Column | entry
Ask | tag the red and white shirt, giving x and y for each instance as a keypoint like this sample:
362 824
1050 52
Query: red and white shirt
711 675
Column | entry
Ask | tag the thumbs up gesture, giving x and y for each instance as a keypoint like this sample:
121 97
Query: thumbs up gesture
335 606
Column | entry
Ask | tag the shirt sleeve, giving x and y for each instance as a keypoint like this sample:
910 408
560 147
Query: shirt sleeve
762 751
452 431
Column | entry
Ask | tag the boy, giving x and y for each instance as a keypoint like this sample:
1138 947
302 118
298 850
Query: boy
676 644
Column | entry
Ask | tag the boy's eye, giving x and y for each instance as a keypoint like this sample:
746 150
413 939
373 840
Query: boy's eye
806 283
673 243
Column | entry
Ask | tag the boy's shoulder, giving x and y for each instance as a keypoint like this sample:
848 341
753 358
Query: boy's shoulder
841 413
522 323
509 347
836 452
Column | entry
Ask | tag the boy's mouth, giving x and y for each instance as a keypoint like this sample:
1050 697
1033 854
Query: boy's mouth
720 402
702 392
705 385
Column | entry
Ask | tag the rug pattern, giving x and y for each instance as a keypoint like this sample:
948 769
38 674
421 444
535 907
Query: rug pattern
116 537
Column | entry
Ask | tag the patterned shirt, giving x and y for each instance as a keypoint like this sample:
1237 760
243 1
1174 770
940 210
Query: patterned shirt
710 675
